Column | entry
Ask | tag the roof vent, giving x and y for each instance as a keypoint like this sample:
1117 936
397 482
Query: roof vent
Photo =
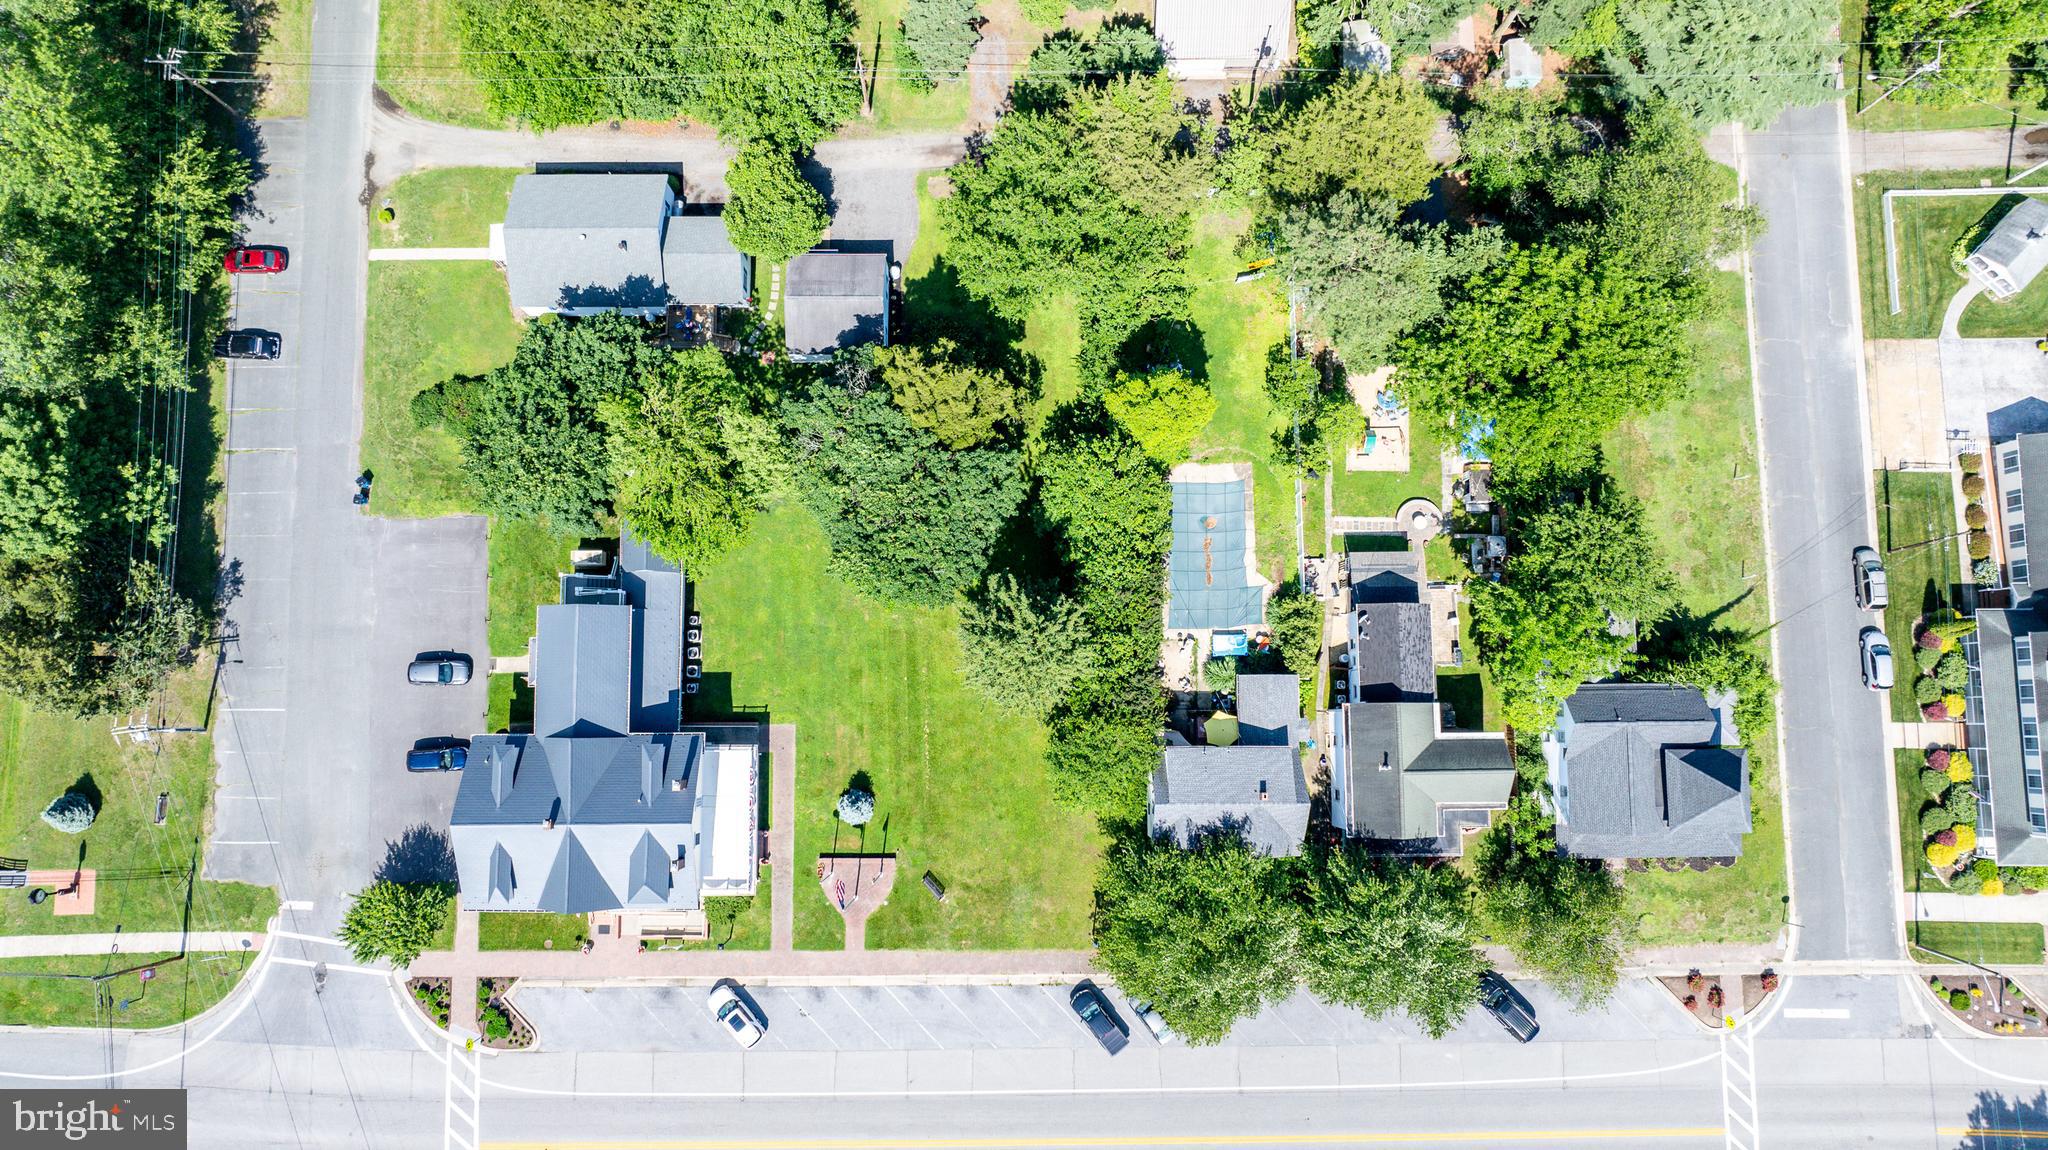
622 245
1262 790
582 235
548 823
676 864
676 785
1386 761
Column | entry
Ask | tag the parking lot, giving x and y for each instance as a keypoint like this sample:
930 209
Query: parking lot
895 1018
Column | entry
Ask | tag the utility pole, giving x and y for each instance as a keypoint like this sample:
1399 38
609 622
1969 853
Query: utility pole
173 70
1929 68
1259 62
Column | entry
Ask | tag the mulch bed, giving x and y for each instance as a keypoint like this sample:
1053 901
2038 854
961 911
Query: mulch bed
1989 1003
1738 996
493 996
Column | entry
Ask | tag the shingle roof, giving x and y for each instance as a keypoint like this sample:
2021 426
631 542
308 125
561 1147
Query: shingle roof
700 263
1384 577
1269 711
1392 660
2010 836
1199 790
1643 776
1402 770
2019 243
835 299
586 240
1228 31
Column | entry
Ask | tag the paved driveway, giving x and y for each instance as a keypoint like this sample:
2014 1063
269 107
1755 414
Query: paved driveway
332 602
2002 382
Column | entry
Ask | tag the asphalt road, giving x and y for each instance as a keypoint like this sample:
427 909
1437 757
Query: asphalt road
331 602
1808 341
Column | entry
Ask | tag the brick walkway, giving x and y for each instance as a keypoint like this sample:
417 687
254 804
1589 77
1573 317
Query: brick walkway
782 838
463 974
796 966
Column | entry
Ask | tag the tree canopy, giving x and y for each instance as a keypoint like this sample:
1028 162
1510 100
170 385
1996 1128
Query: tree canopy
908 519
940 36
1984 45
1024 647
1163 410
395 920
963 404
774 212
1367 134
1565 919
1381 935
676 481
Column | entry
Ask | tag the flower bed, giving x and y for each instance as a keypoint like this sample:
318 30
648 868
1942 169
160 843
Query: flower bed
1943 670
1713 999
503 1027
431 996
1987 1003
1948 824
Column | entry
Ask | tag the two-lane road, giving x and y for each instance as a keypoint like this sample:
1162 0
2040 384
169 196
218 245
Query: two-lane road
1809 343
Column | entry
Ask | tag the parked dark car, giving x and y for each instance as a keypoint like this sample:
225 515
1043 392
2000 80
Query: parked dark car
443 754
248 344
254 259
1508 1007
439 668
1100 1017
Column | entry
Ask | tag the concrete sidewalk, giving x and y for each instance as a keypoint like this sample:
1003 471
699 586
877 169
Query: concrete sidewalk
1940 906
125 942
793 967
782 837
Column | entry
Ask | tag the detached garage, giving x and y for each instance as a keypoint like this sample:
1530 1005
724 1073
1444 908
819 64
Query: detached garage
1222 39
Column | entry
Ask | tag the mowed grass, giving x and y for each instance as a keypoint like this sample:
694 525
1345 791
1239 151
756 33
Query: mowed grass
1907 763
899 105
1926 231
418 64
960 786
43 755
179 989
527 558
1915 508
287 48
425 323
751 929
1379 494
1988 943
1238 323
1693 464
444 208
530 930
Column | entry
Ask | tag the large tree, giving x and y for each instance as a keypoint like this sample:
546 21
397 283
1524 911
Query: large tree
1722 60
1023 646
963 404
676 480
1163 410
1563 918
1206 935
1382 935
394 920
1367 134
941 35
533 441
774 212
908 519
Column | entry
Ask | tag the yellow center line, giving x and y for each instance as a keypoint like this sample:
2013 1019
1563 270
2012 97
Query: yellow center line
1139 1140
1990 1132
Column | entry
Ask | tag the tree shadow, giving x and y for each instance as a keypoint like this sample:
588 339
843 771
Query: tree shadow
1166 344
85 785
2000 1123
820 177
421 854
936 305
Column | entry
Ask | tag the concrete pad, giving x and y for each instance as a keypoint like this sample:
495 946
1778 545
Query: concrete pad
1906 1060
1908 423
1365 1065
1288 1066
871 1071
1023 1069
614 1072
1137 1068
699 1072
1210 1066
1793 1061
938 1070
787 1071
1994 383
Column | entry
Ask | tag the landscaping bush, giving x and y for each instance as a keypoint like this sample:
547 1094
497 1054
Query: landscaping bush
1966 838
1937 759
856 806
1970 463
1959 767
1940 856
1220 673
1927 640
1934 712
1935 818
1946 838
2026 877
71 812
1952 671
1974 515
1949 626
386 215
1926 690
1954 704
1973 486
1986 869
1934 783
1961 802
1984 572
1926 658
1959 1000
1980 545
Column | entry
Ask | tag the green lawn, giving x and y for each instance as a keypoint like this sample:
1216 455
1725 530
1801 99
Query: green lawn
287 44
1986 943
417 64
900 106
511 701
1914 507
444 208
1907 763
178 990
530 930
527 559
873 687
43 755
1380 493
1926 232
1238 323
425 323
751 929
1694 466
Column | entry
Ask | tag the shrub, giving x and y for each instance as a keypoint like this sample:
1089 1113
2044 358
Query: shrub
1933 712
1980 545
1927 640
1973 486
1716 997
1769 981
1949 625
1986 869
1937 759
386 215
1934 783
1959 1000
2025 877
1694 979
1974 515
1926 658
1926 690
1961 801
1984 572
1946 838
1952 671
1966 838
1692 1002
1940 856
1954 704
856 806
71 812
1935 819
941 35
1220 673
1970 463
1959 768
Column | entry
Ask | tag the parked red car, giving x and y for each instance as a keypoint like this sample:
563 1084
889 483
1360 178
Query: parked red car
259 261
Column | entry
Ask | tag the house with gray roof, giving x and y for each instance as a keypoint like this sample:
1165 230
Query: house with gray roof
1253 787
2009 653
581 242
1224 39
611 803
1403 782
833 300
2013 253
1647 770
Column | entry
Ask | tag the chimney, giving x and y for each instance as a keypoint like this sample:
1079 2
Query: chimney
1386 761
1262 790
676 785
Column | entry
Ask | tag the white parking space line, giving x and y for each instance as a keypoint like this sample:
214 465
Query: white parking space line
1067 1009
806 1012
1005 1000
970 1018
863 1018
914 1018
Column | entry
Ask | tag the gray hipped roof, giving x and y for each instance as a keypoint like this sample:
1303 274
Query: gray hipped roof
1403 774
1642 775
835 300
1254 791
586 241
2010 836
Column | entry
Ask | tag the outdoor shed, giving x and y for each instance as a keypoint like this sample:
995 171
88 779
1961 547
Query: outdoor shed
2014 253
835 300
